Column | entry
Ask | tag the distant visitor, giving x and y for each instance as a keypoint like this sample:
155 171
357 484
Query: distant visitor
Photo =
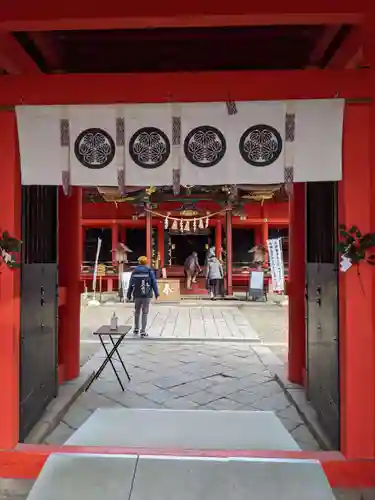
192 269
214 274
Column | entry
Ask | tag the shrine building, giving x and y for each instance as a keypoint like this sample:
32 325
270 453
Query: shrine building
175 226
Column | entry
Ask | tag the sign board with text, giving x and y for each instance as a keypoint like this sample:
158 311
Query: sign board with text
276 262
169 290
256 286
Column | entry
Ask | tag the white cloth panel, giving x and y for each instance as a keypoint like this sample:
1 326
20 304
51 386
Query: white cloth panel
209 145
259 146
42 161
318 141
93 159
148 137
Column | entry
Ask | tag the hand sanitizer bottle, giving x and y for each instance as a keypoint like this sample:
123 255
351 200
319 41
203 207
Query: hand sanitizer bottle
114 322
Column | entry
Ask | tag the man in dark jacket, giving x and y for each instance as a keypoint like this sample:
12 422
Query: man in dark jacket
142 286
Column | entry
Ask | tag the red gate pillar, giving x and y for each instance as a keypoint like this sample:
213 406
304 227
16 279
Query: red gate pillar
149 236
161 242
296 286
83 243
70 213
258 235
229 248
10 220
264 229
122 234
357 292
218 238
115 233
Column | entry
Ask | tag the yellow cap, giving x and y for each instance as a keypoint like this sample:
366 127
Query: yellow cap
143 260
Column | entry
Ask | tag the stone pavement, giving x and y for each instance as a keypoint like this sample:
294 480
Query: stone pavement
271 324
215 375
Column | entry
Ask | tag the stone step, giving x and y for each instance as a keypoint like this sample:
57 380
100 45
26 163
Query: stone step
124 477
184 429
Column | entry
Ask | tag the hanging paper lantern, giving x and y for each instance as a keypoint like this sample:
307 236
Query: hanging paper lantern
166 223
194 225
206 222
174 225
187 226
181 225
201 226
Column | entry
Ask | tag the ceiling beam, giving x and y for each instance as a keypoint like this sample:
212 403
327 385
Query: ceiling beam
322 45
181 87
347 50
47 49
13 58
44 15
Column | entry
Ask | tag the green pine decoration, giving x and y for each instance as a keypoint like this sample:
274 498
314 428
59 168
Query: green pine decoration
356 246
9 249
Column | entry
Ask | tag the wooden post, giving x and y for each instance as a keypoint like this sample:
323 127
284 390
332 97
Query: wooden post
70 211
161 243
257 235
296 286
218 238
114 242
148 235
228 217
264 233
82 244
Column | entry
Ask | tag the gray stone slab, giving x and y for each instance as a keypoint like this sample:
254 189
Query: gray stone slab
210 479
184 429
78 477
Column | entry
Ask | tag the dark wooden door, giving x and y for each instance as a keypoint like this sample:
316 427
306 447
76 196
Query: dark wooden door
38 350
322 305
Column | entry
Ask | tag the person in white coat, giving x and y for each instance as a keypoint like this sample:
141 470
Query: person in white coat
214 275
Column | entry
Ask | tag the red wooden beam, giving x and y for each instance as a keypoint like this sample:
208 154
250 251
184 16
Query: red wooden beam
44 15
13 59
26 461
46 47
109 222
357 61
322 44
237 221
348 50
189 87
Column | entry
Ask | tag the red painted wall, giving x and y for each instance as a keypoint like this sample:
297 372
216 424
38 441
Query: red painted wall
10 220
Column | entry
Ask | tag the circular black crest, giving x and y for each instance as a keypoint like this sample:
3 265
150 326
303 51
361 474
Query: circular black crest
149 147
260 145
94 148
205 146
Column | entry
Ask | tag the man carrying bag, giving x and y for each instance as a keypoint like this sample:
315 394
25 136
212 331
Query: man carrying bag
142 287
